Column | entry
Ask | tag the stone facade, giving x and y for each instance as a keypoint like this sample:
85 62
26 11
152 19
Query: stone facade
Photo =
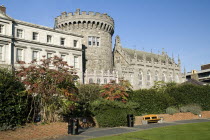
84 40
22 41
97 30
140 68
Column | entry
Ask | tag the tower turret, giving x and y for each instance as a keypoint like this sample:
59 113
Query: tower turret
97 30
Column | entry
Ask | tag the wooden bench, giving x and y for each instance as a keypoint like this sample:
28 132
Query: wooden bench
150 119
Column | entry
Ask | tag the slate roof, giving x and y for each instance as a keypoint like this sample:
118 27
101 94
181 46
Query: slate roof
148 55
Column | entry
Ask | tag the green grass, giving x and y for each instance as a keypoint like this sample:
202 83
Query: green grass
194 131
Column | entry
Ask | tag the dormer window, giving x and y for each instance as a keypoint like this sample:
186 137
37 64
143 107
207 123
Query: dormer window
1 28
35 36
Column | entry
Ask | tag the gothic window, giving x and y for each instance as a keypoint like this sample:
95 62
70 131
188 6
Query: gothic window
90 81
105 81
164 77
98 81
148 78
177 78
170 77
156 76
140 78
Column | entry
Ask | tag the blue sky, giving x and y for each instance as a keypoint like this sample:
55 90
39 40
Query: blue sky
179 26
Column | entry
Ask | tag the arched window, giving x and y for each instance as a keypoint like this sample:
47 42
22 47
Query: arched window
148 78
105 81
140 78
177 78
156 76
170 77
98 81
90 81
164 77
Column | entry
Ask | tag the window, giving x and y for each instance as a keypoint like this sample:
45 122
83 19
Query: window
105 81
49 39
63 57
1 29
148 78
170 77
19 33
140 78
76 62
156 76
1 53
89 41
19 55
75 43
164 77
93 41
49 55
97 41
90 81
62 41
35 36
98 81
177 78
34 55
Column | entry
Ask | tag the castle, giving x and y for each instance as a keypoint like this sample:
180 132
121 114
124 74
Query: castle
84 40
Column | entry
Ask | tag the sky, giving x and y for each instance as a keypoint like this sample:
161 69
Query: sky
181 27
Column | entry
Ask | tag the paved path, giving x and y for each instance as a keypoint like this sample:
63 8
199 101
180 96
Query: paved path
99 132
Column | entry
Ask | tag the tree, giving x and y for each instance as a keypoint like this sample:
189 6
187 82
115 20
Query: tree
116 92
50 83
13 101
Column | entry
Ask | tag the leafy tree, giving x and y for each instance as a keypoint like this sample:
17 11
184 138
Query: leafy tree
116 92
50 83
13 101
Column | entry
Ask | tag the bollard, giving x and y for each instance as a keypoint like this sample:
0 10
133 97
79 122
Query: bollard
73 126
130 120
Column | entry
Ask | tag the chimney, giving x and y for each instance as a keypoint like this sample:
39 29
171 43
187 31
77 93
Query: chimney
3 9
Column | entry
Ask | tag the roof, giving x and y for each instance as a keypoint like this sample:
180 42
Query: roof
148 55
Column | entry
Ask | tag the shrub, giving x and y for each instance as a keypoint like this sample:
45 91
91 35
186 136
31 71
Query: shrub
172 110
13 101
87 94
193 108
150 101
112 113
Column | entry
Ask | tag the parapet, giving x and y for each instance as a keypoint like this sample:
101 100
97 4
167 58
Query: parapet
81 16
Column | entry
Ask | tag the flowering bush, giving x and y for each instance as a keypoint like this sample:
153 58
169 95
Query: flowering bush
116 92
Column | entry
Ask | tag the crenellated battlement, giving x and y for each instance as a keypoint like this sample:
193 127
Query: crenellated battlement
85 20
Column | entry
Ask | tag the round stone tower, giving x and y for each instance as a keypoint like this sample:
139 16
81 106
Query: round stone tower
97 30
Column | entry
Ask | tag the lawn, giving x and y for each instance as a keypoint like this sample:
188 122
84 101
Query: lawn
194 131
